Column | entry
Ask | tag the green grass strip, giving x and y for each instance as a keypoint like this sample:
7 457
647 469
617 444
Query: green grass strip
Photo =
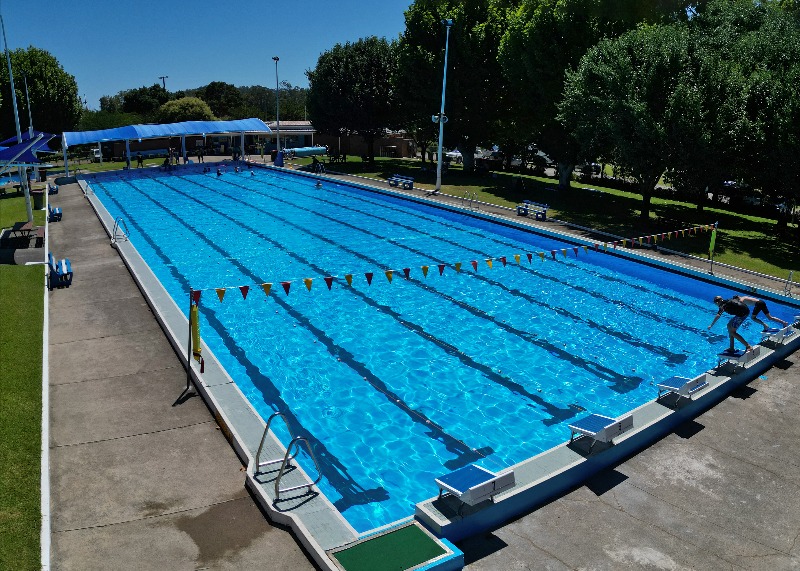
400 549
21 322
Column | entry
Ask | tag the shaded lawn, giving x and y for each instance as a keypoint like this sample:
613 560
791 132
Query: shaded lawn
745 241
21 322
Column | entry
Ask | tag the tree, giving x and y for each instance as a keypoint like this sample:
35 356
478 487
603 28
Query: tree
544 39
97 120
350 89
53 92
619 101
224 99
145 101
185 109
475 98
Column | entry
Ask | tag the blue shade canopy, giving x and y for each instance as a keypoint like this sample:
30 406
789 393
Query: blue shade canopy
134 132
26 136
28 157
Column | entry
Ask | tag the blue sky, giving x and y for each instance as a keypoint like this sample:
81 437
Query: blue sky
112 46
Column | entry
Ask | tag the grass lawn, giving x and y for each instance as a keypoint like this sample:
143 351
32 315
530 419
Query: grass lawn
745 241
21 322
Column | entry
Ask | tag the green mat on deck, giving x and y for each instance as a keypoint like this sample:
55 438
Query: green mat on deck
399 549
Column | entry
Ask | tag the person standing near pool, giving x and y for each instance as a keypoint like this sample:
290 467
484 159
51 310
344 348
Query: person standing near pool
759 306
736 307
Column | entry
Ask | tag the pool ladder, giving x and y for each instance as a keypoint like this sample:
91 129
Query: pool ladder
287 457
469 197
120 231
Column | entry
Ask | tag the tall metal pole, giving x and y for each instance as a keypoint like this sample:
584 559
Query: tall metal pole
442 119
30 122
163 79
277 102
23 180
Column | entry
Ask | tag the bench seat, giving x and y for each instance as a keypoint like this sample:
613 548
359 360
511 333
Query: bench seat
539 210
60 272
406 182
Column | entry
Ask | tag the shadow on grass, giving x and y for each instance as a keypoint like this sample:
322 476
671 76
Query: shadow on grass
743 240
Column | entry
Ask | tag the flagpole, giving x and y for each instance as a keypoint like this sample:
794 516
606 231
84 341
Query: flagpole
711 247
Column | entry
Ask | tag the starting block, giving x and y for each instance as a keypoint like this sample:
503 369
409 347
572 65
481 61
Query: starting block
738 357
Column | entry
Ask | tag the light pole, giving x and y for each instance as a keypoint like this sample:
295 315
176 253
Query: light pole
277 103
163 79
441 118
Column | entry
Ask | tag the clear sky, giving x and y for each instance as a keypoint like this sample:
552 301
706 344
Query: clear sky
113 46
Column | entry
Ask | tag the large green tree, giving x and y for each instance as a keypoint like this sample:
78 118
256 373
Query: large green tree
224 99
619 101
145 101
350 89
53 92
185 109
546 38
475 101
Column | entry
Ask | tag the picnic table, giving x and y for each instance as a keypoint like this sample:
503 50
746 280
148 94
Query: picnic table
22 229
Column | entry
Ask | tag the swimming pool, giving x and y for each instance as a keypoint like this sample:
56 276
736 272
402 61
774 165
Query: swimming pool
396 383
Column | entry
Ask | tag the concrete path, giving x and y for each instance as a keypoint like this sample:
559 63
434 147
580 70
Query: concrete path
137 481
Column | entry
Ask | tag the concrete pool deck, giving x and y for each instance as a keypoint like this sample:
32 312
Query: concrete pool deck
105 289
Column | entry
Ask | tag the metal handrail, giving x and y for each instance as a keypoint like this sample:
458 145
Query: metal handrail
296 441
118 232
257 463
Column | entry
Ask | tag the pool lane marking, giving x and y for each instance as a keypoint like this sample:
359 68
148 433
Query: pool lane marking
557 414
624 336
597 295
454 445
620 383
332 468
465 228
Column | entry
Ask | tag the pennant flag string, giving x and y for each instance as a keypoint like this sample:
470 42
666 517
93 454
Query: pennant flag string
650 240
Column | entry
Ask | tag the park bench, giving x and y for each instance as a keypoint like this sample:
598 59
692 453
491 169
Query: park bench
528 206
407 182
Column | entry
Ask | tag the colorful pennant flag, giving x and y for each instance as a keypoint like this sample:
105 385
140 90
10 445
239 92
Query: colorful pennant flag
389 274
286 286
441 269
516 258
329 281
266 287
244 289
369 277
458 266
220 293
196 296
425 271
530 257
406 272
474 265
308 281
349 279
541 255
489 263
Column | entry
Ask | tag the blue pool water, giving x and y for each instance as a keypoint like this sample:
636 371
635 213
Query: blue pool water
396 383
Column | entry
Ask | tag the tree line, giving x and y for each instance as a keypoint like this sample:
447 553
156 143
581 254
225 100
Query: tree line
700 91
216 101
